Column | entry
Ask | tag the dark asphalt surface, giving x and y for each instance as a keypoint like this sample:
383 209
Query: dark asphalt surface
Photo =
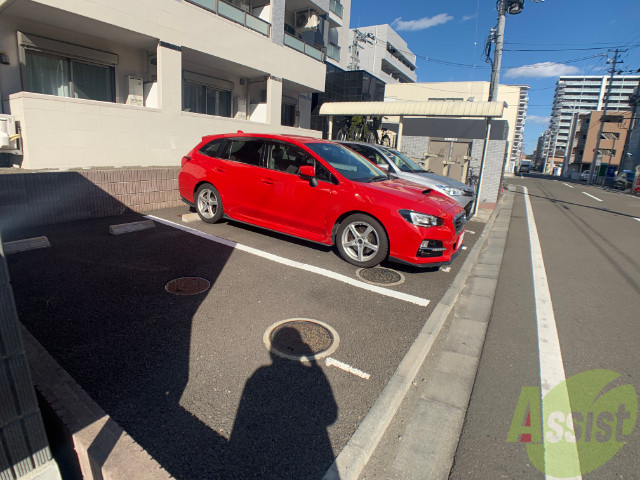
188 377
592 261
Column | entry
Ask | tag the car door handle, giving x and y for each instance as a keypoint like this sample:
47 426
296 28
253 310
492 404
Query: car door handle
268 181
219 169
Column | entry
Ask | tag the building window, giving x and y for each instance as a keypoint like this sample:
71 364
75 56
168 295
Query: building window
208 95
288 115
66 77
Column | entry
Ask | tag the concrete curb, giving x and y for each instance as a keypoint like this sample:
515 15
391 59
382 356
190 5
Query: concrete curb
104 449
443 402
355 455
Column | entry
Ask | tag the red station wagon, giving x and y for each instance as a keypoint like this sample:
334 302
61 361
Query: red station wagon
322 192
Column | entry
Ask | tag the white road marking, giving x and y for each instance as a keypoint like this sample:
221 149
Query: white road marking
445 269
570 186
638 219
551 366
347 368
464 247
423 302
595 198
470 232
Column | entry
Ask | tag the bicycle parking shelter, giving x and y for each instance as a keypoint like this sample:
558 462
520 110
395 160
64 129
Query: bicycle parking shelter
430 108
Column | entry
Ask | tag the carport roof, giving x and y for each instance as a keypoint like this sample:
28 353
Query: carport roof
431 108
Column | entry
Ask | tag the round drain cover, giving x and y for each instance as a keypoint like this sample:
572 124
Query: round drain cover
187 286
380 276
301 339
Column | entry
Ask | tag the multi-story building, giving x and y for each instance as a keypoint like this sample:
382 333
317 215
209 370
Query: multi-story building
380 51
518 135
584 94
615 128
139 82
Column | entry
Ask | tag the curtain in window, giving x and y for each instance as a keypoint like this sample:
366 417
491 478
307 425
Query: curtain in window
47 74
192 98
93 82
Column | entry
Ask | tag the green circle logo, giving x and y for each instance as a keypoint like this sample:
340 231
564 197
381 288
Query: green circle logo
579 425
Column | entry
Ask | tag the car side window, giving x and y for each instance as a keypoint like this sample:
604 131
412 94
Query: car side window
211 149
243 151
370 154
288 158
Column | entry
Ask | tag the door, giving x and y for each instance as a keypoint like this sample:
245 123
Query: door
292 203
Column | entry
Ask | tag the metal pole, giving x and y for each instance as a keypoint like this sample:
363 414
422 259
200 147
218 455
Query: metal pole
497 58
602 119
480 175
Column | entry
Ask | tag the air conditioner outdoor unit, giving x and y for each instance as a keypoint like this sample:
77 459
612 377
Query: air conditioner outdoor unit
307 20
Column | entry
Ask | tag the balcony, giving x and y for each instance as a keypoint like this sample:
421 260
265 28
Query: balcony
234 14
336 7
299 45
333 52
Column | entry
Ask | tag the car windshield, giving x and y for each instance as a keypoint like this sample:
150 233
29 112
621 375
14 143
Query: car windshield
403 163
351 165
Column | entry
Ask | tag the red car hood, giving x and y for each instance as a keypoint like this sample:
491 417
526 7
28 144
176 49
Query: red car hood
414 196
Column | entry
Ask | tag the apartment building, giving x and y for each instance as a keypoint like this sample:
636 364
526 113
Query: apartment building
138 82
380 51
584 94
615 128
521 118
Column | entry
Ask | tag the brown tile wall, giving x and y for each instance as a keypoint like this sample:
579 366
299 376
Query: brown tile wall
41 198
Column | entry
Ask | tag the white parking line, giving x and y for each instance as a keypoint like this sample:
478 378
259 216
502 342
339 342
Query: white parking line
347 368
638 219
551 365
595 198
570 186
423 302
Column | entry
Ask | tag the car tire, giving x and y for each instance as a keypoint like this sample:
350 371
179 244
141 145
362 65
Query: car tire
208 203
362 241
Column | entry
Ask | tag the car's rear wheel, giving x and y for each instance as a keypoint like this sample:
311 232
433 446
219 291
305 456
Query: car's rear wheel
208 203
362 241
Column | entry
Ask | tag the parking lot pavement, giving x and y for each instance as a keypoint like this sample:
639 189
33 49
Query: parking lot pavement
189 376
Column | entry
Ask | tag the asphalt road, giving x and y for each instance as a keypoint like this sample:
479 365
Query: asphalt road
189 377
590 239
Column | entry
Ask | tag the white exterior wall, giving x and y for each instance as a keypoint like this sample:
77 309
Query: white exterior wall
372 55
61 132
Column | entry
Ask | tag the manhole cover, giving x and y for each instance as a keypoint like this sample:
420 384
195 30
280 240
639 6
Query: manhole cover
187 286
380 276
301 339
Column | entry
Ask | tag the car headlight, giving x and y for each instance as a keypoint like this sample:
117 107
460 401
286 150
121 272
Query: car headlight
450 190
420 219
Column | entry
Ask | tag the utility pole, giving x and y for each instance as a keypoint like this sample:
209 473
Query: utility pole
497 56
594 162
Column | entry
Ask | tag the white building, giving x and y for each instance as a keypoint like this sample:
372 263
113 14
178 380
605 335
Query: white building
139 82
584 94
380 51
518 135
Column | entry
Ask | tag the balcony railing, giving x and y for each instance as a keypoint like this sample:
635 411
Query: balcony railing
303 47
234 14
336 7
333 52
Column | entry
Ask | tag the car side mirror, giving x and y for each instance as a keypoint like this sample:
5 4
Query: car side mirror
309 171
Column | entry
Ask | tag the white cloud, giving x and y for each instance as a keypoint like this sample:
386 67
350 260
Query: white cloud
537 119
541 70
421 23
469 17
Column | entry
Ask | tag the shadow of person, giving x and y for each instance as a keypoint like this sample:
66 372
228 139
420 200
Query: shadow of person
280 430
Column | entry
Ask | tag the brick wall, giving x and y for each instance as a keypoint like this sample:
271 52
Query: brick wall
41 198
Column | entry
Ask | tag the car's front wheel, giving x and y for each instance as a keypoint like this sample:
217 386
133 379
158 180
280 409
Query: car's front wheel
362 241
208 203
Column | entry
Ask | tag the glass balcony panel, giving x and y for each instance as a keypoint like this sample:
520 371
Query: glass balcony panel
314 52
333 52
208 4
231 12
258 25
336 8
293 42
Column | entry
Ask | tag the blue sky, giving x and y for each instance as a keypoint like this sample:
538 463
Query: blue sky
575 37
